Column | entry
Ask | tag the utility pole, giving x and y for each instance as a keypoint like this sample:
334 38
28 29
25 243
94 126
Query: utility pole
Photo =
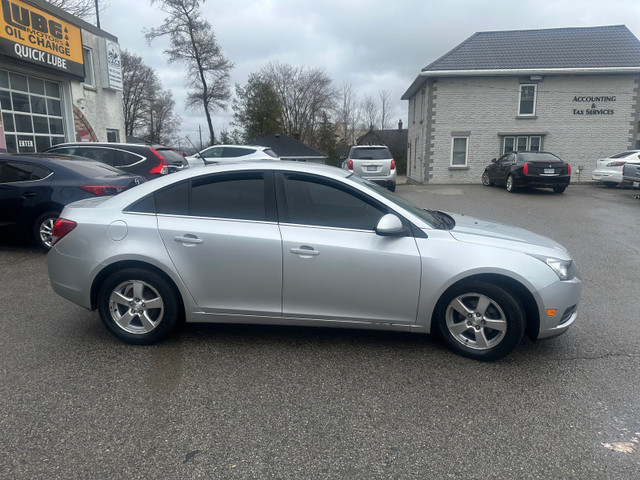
97 14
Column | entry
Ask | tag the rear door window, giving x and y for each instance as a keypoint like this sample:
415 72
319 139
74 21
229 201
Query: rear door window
239 195
104 155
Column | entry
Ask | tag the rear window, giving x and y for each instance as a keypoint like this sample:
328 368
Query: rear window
538 157
270 152
90 168
170 155
373 153
622 154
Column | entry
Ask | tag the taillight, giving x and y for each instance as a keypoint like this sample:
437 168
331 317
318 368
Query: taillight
350 165
615 164
61 228
393 164
102 189
161 167
568 169
525 170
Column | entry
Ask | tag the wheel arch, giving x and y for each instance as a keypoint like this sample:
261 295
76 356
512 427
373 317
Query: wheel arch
121 265
529 304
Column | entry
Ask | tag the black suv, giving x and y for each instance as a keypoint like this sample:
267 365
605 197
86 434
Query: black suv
150 161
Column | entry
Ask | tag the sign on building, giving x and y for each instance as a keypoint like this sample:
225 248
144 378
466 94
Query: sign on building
35 36
112 74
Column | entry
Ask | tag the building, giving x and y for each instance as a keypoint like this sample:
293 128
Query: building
570 91
291 149
394 139
60 79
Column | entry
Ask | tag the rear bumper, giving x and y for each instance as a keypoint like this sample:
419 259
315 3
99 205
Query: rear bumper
542 181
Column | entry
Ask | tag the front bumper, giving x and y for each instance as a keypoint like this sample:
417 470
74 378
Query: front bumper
563 297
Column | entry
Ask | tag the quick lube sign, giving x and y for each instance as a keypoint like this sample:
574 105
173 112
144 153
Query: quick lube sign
35 36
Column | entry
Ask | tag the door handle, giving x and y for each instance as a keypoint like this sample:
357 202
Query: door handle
188 240
29 194
305 251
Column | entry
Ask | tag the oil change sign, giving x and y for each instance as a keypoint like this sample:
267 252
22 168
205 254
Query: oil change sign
37 37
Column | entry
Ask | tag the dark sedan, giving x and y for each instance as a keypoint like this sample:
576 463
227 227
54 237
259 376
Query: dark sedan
528 169
34 189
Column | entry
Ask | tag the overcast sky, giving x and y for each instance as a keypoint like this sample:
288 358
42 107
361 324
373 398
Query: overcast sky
375 45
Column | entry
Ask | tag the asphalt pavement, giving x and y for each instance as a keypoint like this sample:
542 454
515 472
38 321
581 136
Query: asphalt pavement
248 402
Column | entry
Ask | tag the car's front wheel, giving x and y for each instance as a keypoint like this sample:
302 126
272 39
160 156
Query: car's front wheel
42 228
510 185
480 320
486 181
138 306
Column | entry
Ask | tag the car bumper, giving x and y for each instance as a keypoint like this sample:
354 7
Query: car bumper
539 181
604 176
387 180
70 276
561 299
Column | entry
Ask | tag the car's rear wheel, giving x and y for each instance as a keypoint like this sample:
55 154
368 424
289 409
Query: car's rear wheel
610 184
559 188
392 188
510 185
138 306
42 228
486 180
480 320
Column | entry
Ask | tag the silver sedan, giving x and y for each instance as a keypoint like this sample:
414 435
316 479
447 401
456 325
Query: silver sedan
298 244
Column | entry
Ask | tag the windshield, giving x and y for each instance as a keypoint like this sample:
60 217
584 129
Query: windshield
431 218
370 153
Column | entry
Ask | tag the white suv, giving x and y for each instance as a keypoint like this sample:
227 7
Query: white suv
373 162
221 153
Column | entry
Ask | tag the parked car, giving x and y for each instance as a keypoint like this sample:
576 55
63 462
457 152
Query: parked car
150 161
609 170
631 172
373 162
34 188
222 153
528 169
300 244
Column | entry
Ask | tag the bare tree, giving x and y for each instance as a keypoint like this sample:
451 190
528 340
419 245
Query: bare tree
370 113
85 9
305 95
140 86
348 114
161 121
387 110
193 43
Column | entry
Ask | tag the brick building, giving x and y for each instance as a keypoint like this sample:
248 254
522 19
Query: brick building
60 79
570 91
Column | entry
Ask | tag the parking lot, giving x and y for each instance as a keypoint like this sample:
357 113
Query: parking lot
253 402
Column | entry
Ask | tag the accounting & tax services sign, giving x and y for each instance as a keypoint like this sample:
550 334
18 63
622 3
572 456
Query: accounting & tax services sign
35 36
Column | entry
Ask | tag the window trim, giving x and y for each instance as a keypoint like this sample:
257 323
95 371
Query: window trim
466 152
535 99
89 78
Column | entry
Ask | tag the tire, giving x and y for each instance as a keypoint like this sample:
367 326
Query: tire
510 186
392 188
610 184
486 181
464 327
138 306
559 188
42 228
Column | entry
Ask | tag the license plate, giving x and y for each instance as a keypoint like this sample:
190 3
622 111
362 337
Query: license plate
371 168
549 170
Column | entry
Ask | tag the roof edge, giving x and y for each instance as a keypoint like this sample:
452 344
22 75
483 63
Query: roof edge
529 71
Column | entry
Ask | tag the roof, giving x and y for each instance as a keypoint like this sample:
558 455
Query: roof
612 48
287 147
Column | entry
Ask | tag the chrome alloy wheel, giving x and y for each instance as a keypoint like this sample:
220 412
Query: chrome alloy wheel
510 183
476 321
46 227
136 307
485 179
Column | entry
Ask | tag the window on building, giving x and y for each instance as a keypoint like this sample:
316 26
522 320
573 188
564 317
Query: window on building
415 154
89 77
459 151
422 106
31 112
527 100
522 143
415 102
113 135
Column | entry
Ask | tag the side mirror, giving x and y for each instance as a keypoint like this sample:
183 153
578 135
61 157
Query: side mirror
390 225
494 160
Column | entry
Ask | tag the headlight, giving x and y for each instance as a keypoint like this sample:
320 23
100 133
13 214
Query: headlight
563 268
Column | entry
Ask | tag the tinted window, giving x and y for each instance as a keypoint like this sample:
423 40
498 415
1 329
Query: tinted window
146 205
127 159
622 154
40 172
229 152
538 157
104 155
173 200
312 201
374 153
90 169
213 152
170 156
15 172
240 196
64 150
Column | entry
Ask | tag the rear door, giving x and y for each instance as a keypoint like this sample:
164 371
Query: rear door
23 186
221 234
335 265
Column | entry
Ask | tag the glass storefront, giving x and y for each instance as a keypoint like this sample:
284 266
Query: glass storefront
31 112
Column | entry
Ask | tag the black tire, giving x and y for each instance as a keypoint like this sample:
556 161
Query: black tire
509 183
559 188
610 184
392 188
42 228
468 335
486 181
147 310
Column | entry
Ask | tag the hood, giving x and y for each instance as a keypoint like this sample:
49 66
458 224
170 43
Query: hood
474 230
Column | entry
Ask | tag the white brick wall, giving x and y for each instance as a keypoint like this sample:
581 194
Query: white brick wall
486 106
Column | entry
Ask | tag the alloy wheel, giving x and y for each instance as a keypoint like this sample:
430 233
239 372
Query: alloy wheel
136 307
476 321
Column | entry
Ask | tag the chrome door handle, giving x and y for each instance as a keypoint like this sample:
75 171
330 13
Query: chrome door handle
305 251
188 239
